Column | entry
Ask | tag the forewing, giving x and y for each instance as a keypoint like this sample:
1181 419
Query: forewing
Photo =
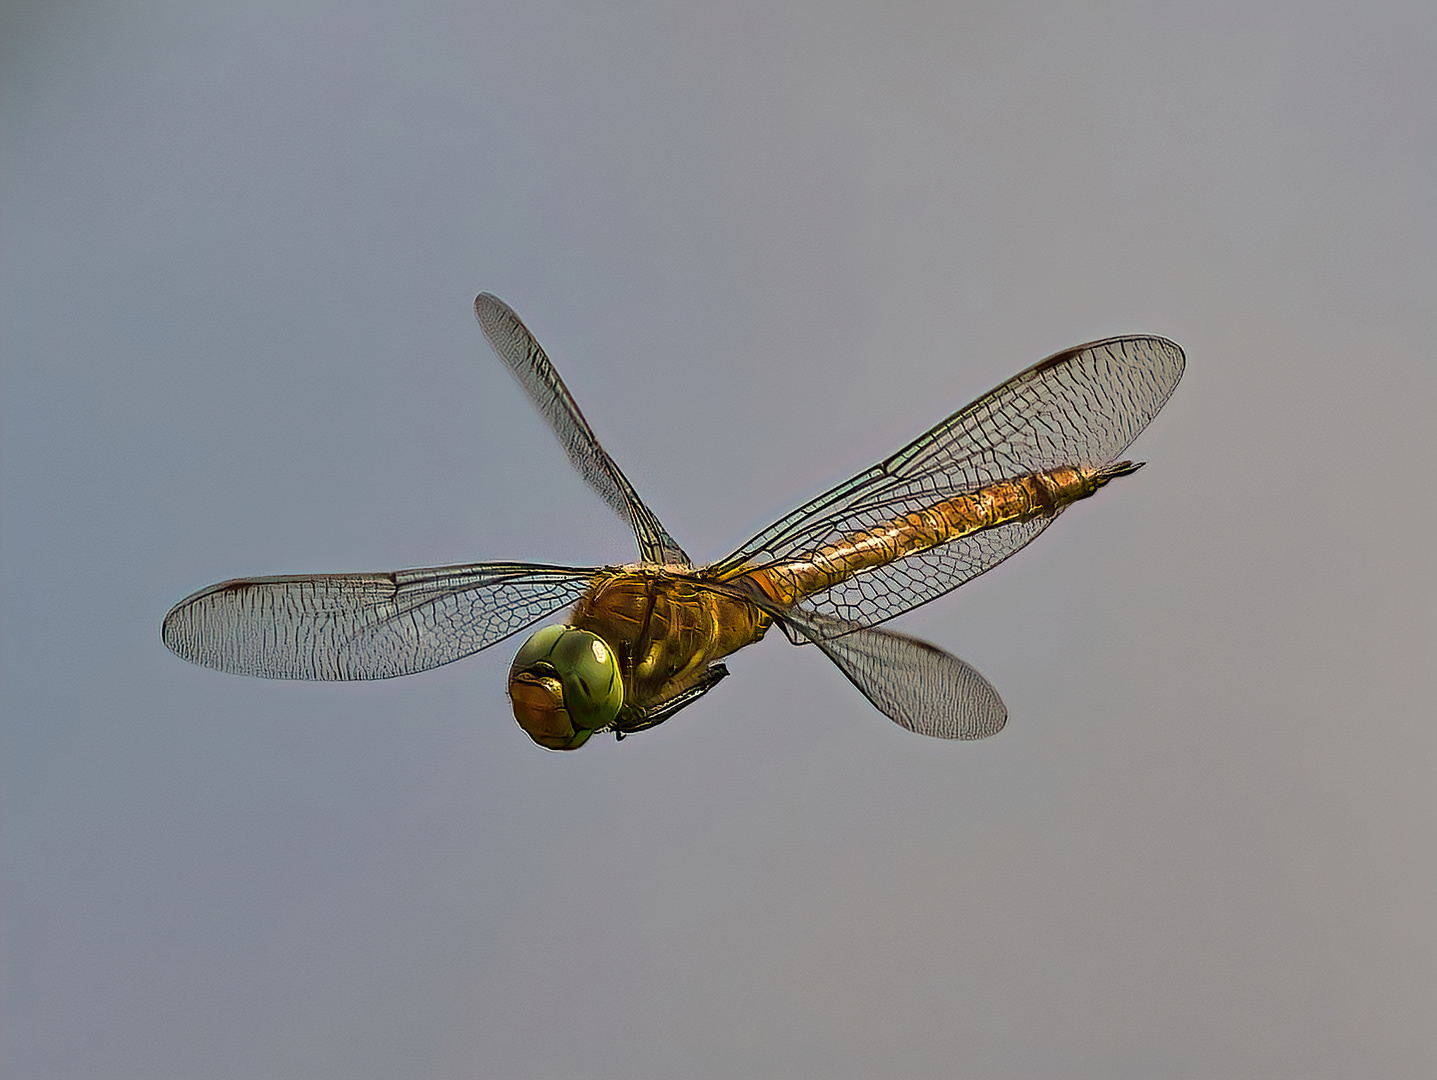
364 626
511 341
916 685
1081 407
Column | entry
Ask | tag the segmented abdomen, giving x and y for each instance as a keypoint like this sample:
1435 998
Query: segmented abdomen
1022 499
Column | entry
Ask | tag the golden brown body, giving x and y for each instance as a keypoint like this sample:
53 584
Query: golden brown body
667 628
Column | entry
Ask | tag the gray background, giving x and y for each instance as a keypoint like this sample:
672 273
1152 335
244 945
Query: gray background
766 244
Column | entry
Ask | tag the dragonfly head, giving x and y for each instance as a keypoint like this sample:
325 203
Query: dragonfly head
565 685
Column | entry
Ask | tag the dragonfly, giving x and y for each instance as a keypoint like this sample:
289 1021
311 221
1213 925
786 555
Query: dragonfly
644 640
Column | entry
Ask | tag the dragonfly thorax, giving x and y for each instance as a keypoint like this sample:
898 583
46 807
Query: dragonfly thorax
565 685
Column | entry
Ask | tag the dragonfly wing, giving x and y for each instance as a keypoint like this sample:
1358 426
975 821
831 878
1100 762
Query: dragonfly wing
1081 407
884 592
511 341
916 685
364 626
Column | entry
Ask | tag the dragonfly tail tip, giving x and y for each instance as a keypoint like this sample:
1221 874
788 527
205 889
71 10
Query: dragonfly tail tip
1119 468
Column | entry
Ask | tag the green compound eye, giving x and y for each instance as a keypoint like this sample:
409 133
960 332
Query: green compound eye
593 690
537 647
565 685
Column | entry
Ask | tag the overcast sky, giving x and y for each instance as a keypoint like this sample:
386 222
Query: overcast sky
766 244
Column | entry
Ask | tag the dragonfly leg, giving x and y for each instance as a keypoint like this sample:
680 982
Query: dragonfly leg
632 719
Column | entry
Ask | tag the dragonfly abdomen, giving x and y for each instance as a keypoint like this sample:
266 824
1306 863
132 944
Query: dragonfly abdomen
1041 494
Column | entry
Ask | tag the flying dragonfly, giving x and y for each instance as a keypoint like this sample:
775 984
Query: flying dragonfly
644 640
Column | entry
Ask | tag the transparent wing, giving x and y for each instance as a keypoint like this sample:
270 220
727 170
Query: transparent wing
886 591
364 626
1079 407
916 685
511 341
